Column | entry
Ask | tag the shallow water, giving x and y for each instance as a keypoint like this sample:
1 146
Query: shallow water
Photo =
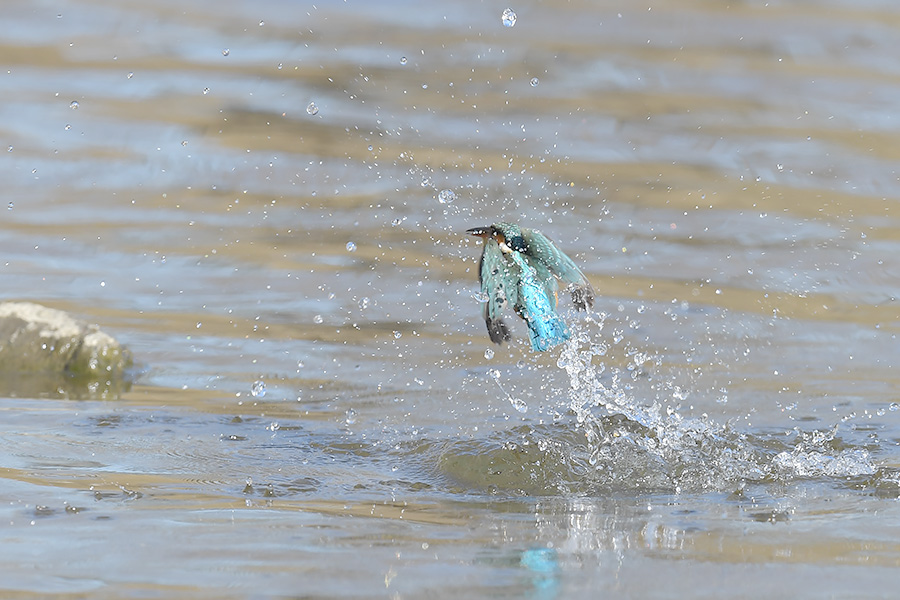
317 410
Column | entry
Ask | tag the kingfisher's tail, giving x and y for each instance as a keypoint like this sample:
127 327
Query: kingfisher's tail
546 330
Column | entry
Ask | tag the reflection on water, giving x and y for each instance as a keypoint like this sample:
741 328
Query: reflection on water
267 203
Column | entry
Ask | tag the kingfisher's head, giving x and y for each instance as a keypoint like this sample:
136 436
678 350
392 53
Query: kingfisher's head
508 235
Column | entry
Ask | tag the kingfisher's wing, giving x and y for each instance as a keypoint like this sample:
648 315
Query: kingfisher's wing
545 252
499 284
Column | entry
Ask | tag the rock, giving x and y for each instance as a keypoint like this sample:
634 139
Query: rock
37 339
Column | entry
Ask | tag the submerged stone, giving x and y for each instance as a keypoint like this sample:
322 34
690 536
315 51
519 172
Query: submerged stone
37 340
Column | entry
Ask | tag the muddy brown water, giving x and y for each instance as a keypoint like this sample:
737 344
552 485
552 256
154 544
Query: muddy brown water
266 202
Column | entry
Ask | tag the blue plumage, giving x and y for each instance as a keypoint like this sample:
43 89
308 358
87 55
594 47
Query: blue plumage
545 327
520 267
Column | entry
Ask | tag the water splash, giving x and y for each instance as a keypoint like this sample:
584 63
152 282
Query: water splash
653 444
258 389
446 196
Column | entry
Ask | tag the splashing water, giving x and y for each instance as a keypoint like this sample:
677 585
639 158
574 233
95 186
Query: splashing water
604 436
446 196
258 389
627 442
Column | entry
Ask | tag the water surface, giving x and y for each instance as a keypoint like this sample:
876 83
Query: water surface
317 410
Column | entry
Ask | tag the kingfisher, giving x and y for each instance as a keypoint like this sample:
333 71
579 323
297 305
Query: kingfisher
520 267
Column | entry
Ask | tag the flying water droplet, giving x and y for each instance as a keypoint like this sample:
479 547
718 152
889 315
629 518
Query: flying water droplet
258 389
73 105
397 335
364 303
489 354
402 60
312 109
481 297
9 206
318 320
446 196
519 404
351 416
535 81
226 52
351 247
508 17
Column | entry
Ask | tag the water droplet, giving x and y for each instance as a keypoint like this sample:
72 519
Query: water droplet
130 75
402 60
258 389
261 23
226 52
318 320
205 91
495 374
9 206
364 303
481 296
300 364
67 127
73 105
351 416
396 221
489 354
894 406
10 149
426 181
519 404
780 167
312 109
446 196
351 247
508 17
397 335
535 81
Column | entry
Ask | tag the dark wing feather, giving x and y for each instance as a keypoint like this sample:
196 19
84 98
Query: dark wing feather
499 285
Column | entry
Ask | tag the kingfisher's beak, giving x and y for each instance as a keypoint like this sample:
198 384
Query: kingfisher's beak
484 232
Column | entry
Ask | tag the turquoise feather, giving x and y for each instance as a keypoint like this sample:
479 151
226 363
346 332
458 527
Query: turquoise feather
520 267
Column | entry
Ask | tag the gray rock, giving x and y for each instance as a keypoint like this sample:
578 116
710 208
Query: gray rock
37 339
